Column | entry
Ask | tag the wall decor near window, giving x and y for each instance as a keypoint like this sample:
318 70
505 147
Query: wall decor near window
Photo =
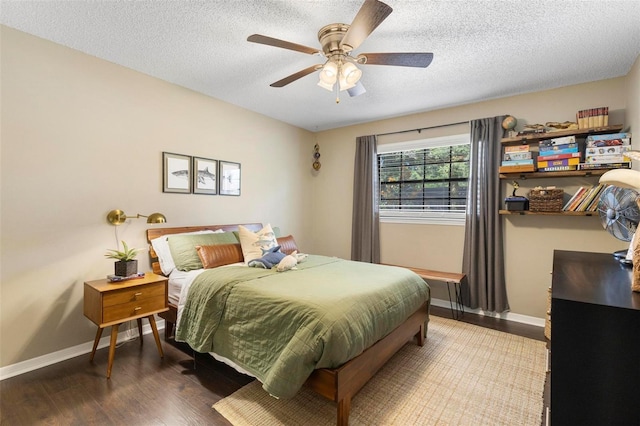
229 178
176 173
316 158
205 176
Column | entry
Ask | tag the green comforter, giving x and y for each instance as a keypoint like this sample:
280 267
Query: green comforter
280 326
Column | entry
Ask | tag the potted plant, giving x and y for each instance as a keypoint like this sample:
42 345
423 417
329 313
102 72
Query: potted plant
126 264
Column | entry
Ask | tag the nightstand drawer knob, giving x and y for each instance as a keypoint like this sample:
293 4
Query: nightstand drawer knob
138 294
137 308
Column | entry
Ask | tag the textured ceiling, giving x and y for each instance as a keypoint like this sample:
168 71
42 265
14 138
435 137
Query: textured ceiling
482 49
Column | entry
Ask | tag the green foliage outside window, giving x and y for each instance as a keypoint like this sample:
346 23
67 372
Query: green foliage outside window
424 179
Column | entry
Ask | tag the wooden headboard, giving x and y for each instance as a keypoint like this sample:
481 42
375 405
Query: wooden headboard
153 233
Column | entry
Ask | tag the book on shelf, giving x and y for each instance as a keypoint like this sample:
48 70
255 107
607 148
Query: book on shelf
593 117
576 198
610 139
613 158
517 162
558 156
594 203
559 149
563 162
558 168
517 169
522 155
516 148
598 166
588 198
557 141
607 150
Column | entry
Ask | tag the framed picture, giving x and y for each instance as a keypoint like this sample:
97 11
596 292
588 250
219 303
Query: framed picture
229 178
176 173
205 176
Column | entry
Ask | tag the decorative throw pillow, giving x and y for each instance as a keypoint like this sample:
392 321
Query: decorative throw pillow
183 248
287 244
219 255
161 247
256 244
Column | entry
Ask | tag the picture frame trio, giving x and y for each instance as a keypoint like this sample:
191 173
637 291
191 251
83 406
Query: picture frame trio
185 174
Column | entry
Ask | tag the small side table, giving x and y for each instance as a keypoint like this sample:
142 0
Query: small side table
112 303
454 278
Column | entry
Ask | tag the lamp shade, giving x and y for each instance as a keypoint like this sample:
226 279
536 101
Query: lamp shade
329 73
156 218
624 178
324 85
351 74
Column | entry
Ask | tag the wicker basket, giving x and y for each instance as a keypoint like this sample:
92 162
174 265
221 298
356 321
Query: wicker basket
546 200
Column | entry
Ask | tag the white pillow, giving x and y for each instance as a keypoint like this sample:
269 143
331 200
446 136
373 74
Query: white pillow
161 247
255 244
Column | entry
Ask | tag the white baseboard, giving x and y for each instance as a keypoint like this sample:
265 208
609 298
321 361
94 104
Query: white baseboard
509 316
64 354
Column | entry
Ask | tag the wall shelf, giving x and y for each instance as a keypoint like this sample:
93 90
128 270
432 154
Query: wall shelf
535 137
540 175
561 213
532 140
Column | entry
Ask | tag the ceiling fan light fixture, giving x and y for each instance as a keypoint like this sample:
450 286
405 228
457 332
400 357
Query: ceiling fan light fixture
328 86
329 73
344 84
350 73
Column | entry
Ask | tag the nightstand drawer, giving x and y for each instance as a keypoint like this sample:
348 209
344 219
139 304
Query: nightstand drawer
133 294
135 308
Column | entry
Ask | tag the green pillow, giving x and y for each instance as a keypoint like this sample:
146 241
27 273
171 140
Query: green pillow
183 248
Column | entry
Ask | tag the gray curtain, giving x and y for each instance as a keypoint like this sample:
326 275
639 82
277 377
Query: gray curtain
483 259
365 233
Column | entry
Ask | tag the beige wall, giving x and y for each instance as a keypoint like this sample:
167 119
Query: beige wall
529 240
81 136
632 118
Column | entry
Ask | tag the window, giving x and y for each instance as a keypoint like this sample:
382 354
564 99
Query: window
424 181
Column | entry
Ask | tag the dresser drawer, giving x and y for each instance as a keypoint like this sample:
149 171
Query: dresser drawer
133 294
135 308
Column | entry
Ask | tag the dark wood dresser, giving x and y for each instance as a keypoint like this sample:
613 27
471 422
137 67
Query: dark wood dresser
595 341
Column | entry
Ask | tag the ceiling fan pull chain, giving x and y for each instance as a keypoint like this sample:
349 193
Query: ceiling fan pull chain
338 82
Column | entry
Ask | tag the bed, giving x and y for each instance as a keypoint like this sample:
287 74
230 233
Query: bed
342 357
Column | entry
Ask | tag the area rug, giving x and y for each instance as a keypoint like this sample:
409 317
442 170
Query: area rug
464 375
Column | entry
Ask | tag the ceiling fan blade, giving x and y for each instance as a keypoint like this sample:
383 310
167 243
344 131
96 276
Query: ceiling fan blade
296 76
420 60
356 90
270 41
370 15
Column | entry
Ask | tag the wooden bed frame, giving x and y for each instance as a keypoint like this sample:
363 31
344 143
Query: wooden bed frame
337 384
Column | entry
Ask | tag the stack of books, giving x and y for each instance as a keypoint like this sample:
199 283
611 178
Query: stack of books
558 154
607 152
585 199
593 117
517 159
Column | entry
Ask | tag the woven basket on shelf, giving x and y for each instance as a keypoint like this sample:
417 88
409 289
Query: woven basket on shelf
546 200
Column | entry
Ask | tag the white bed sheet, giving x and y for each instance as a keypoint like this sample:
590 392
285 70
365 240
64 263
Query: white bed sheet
179 283
177 280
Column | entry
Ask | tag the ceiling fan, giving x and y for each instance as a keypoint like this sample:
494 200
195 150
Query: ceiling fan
340 70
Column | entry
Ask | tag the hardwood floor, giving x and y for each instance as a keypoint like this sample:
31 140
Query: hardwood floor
145 389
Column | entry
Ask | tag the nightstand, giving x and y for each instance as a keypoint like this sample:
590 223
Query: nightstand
112 303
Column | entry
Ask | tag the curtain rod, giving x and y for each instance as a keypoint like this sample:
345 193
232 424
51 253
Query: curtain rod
423 128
